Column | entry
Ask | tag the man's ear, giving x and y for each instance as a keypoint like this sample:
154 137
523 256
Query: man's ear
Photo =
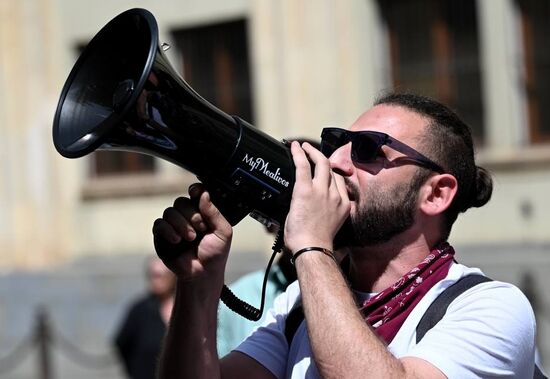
437 194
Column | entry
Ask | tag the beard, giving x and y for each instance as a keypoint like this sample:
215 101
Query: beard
382 213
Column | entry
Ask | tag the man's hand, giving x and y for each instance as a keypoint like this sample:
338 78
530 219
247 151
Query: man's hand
320 203
199 232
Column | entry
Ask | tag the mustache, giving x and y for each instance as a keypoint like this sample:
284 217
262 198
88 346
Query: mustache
353 189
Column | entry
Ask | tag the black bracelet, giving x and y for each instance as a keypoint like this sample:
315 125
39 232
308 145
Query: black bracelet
312 248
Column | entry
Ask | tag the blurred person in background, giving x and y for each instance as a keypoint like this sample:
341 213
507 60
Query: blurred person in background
139 337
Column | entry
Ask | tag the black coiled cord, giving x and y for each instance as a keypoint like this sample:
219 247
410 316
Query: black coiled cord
243 308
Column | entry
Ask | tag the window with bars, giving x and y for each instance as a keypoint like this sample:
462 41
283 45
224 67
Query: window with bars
216 64
536 28
435 52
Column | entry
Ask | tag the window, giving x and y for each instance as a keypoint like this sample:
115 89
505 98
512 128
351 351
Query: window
434 52
216 65
534 20
107 163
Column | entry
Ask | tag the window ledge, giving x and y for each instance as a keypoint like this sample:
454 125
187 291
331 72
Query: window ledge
515 158
122 186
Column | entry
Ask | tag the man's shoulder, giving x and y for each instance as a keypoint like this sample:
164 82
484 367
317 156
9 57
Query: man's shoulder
489 324
484 302
495 302
504 292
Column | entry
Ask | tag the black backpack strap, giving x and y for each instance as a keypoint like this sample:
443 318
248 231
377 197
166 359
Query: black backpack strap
538 373
293 321
438 308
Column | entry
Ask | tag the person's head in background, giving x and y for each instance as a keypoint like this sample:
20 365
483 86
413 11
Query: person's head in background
161 281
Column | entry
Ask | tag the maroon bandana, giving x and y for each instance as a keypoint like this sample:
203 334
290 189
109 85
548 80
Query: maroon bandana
388 310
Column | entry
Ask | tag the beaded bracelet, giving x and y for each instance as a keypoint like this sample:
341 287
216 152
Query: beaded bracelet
312 248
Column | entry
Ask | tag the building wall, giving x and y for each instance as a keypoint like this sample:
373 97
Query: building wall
312 65
31 230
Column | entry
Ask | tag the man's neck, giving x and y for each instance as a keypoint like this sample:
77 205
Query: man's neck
375 268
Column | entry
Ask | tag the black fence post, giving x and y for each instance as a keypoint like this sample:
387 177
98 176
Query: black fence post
43 340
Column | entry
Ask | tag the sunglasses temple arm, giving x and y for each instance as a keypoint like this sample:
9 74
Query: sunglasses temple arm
415 155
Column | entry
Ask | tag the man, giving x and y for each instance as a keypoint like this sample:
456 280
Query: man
402 174
139 338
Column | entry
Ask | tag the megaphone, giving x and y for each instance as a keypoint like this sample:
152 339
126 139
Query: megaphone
123 94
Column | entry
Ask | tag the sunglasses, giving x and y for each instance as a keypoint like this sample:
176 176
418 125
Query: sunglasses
366 145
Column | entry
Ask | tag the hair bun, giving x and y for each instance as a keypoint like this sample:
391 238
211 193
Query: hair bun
482 189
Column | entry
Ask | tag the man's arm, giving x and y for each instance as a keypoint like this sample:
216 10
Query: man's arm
343 345
190 345
189 349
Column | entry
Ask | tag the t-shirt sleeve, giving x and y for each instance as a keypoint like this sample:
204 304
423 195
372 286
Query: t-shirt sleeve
267 344
487 332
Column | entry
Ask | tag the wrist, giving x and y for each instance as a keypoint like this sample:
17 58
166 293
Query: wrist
312 250
299 242
200 291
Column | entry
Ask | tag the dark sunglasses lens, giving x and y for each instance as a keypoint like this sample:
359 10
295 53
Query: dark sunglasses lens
365 148
331 140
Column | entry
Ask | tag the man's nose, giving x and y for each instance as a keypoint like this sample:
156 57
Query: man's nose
340 160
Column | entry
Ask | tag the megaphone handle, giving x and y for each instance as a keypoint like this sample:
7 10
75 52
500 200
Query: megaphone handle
167 251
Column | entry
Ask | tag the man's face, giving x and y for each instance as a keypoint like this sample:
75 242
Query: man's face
384 200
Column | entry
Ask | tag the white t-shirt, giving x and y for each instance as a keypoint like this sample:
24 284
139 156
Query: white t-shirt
487 332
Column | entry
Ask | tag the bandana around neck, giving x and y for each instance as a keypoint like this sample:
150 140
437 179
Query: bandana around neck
388 310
